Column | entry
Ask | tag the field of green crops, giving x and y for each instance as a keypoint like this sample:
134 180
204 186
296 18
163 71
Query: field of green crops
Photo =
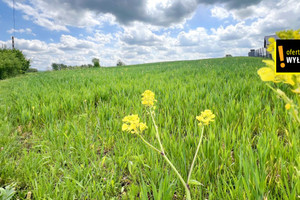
61 137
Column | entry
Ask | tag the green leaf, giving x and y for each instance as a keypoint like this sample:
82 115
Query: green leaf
194 182
130 166
7 193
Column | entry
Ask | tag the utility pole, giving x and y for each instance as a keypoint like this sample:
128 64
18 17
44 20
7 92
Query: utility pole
13 42
14 21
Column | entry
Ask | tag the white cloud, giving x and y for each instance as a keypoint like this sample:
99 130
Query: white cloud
219 12
143 41
101 38
59 14
31 45
26 31
231 32
69 43
194 37
69 50
140 34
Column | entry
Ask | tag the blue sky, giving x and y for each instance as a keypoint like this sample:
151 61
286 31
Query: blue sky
141 31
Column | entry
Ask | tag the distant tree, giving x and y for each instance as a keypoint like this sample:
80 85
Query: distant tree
12 63
96 62
32 70
63 66
55 66
120 63
24 62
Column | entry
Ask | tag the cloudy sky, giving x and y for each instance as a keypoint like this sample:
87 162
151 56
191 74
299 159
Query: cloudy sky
140 31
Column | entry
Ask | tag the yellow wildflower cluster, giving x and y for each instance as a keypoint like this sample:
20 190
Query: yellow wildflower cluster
148 98
133 125
267 73
205 118
289 34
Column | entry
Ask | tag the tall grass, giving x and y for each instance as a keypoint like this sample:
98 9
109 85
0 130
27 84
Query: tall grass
61 133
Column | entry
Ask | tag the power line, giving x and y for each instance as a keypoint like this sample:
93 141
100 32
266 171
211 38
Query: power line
14 28
14 20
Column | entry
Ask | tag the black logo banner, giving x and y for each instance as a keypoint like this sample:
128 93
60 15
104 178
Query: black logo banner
288 56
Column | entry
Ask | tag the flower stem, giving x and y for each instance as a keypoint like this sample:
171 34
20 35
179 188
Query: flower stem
157 133
195 156
282 95
150 145
187 190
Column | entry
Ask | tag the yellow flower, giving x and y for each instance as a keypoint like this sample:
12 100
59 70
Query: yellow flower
148 98
288 79
143 127
298 78
271 40
133 127
132 124
289 34
287 106
270 63
125 127
271 45
266 74
131 118
297 90
205 118
296 34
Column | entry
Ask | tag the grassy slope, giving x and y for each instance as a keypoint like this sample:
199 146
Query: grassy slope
61 133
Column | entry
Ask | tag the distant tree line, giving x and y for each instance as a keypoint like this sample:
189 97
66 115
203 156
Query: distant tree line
12 63
120 63
95 61
56 66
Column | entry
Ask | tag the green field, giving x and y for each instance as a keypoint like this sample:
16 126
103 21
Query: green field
61 138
